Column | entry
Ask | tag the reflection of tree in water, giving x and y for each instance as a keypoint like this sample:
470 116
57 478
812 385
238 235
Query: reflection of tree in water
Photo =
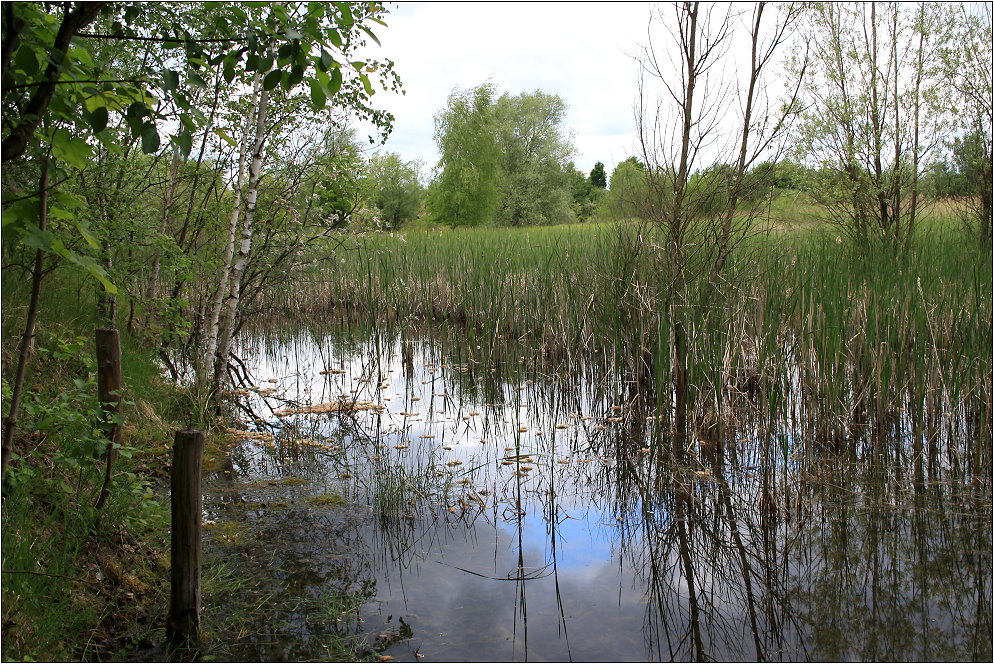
777 534
847 562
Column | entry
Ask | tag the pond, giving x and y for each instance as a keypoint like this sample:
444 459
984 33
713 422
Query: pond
427 499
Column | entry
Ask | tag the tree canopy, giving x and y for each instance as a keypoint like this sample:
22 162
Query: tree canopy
503 160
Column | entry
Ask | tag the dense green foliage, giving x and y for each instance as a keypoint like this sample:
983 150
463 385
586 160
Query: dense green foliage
504 160
394 187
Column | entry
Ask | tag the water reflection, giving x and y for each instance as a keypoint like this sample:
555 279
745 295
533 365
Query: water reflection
506 510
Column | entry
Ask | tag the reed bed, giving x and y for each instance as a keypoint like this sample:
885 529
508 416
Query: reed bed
808 342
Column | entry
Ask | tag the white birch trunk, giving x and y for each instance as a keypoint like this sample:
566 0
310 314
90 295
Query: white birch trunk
229 309
223 286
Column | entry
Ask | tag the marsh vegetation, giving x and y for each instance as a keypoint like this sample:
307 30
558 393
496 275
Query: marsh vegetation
729 399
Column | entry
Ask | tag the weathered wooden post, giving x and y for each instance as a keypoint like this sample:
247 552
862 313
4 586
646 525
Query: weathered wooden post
109 384
183 625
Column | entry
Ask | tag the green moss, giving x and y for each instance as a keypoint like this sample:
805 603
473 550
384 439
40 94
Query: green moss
327 500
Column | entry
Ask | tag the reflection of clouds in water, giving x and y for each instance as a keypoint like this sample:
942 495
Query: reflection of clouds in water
481 618
622 584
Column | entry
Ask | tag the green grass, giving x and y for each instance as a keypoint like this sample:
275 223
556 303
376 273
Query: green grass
80 583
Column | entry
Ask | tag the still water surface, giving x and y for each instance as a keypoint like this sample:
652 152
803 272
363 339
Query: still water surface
482 506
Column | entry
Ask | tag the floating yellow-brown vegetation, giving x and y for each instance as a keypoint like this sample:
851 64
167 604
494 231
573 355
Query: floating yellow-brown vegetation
401 447
645 450
331 371
562 460
454 463
332 407
241 436
522 429
525 469
562 426
507 463
427 435
474 414
600 427
613 419
446 447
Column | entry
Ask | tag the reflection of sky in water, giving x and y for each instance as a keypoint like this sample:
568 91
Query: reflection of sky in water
578 598
458 615
443 565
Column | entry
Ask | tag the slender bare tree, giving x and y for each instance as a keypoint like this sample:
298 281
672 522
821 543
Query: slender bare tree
705 115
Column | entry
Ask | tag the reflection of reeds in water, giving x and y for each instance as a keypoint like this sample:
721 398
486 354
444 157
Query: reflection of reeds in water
839 413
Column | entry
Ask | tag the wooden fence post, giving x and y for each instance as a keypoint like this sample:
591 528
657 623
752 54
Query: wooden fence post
183 625
109 385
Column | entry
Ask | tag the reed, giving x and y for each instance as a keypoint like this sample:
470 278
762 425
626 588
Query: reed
806 336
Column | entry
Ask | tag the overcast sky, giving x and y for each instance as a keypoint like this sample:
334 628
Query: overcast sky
579 51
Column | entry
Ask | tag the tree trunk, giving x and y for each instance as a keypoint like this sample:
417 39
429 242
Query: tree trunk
27 337
213 329
230 309
152 291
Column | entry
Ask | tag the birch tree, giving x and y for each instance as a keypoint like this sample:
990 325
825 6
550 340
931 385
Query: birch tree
233 285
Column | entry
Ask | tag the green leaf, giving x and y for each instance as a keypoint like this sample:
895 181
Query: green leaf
184 141
318 98
36 238
20 214
91 266
296 76
336 81
73 151
59 213
272 79
196 79
229 68
170 79
150 138
99 118
326 60
27 61
228 139
86 233
371 35
366 84
137 110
